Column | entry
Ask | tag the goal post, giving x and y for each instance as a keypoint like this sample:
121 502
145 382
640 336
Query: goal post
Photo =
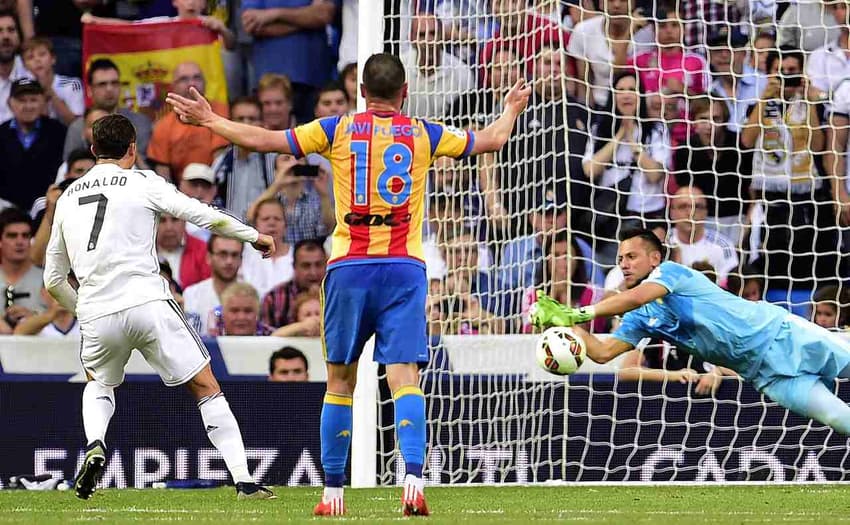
547 213
370 40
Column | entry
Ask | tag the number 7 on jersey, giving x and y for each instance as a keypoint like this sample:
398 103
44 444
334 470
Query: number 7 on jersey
101 201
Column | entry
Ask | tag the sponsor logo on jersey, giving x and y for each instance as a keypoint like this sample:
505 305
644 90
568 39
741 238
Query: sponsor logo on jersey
370 219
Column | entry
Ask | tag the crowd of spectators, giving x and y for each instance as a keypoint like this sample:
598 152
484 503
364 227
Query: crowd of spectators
720 125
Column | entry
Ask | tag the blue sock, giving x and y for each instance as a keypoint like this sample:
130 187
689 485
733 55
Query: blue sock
335 433
410 427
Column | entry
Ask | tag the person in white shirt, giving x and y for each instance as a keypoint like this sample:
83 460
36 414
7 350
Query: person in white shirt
601 46
104 231
265 274
688 212
200 300
65 101
435 78
829 66
835 163
11 66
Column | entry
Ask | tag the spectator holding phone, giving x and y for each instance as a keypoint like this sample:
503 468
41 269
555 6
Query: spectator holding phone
54 322
303 191
20 280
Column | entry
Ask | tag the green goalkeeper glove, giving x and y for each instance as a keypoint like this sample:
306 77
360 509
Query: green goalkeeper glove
547 312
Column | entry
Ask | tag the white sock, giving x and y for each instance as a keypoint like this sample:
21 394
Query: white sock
332 493
224 434
412 485
98 407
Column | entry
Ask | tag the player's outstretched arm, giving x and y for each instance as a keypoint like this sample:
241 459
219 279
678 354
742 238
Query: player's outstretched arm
196 110
602 350
548 312
163 197
494 136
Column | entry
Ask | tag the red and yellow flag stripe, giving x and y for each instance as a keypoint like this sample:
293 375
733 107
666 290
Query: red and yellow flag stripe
147 53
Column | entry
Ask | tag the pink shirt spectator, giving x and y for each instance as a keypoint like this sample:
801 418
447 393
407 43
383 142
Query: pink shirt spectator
656 69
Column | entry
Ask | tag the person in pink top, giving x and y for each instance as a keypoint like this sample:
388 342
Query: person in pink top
669 65
671 69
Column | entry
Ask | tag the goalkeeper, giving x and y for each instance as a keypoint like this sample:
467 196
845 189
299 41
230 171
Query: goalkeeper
786 357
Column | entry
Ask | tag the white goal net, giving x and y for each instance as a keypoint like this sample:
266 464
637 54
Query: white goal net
644 113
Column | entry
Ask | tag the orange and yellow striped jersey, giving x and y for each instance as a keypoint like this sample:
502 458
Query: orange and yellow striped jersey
380 163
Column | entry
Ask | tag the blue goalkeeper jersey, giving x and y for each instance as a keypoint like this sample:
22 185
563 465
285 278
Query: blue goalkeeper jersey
706 320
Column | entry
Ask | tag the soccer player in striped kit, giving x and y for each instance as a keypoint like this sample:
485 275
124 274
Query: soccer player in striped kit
376 281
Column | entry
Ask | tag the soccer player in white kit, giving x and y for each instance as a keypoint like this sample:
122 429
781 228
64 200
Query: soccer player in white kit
104 230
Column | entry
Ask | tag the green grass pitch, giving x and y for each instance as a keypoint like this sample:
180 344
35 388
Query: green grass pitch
785 504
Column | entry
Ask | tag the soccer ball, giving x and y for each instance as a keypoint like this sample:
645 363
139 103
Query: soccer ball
560 350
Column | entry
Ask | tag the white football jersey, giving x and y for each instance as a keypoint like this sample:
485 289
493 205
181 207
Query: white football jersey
104 229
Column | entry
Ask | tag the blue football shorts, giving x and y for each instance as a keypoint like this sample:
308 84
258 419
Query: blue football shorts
386 299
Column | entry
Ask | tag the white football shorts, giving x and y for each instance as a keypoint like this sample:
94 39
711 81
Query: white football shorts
158 330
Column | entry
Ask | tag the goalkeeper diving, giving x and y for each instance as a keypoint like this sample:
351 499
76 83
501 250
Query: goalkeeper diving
786 357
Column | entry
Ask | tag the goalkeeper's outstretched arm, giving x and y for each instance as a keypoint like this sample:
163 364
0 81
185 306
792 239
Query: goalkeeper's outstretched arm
601 350
547 312
628 300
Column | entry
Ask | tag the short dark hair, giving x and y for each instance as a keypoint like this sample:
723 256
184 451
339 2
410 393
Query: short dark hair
306 244
648 236
351 66
737 281
330 87
287 352
91 109
99 65
79 154
707 269
383 76
214 237
112 136
211 241
771 58
245 100
792 52
11 216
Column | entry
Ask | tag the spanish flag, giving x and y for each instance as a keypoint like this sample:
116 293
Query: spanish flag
146 55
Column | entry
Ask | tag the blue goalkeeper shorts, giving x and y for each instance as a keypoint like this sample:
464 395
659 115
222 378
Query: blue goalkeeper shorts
384 299
802 354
